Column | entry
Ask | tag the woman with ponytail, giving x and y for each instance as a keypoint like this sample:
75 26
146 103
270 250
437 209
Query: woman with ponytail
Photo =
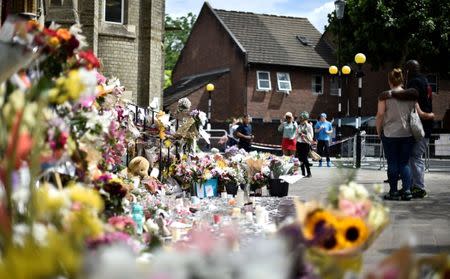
393 128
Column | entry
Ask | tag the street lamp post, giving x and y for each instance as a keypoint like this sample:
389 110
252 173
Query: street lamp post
339 7
210 89
360 59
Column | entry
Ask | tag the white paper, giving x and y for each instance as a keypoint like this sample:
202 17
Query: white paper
154 173
291 179
209 191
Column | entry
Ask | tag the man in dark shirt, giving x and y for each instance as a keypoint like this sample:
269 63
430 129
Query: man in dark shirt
244 133
417 81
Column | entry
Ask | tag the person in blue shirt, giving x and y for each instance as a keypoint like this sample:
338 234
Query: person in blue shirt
244 134
323 129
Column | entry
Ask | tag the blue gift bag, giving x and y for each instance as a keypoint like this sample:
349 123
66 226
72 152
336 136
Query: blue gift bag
207 189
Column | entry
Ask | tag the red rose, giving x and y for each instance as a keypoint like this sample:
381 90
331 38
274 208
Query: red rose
89 59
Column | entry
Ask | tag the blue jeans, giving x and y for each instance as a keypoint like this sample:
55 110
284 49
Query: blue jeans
398 151
417 164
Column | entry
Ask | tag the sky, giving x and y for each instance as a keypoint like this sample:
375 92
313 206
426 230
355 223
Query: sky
315 10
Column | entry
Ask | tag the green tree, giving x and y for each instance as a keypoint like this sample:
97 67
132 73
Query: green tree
395 31
176 35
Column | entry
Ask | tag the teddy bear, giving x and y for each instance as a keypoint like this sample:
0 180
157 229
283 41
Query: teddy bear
137 170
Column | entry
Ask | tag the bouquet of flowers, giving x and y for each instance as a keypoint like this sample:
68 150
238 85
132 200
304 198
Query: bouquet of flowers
279 166
113 190
340 230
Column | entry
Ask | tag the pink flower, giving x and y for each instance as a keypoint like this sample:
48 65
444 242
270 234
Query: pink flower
122 223
356 209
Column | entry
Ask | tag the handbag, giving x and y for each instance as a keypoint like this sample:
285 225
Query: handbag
416 125
314 156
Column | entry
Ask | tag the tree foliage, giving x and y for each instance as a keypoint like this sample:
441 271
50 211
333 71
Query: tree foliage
176 35
395 31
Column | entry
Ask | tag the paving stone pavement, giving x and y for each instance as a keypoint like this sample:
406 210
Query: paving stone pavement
423 223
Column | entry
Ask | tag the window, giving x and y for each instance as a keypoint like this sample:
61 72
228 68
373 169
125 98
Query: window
334 87
257 120
263 80
284 82
114 11
317 85
433 82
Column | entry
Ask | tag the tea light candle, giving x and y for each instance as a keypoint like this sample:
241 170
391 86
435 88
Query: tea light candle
260 215
224 195
249 216
236 212
240 198
176 234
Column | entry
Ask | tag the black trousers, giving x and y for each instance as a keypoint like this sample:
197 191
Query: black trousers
302 155
323 148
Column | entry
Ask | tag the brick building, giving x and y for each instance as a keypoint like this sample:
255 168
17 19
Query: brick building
126 35
266 65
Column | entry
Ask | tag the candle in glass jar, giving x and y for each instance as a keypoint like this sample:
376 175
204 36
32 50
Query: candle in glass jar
249 216
236 212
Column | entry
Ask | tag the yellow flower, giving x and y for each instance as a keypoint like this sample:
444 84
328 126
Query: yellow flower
73 85
83 224
67 88
352 231
221 164
50 201
53 42
167 143
84 196
317 220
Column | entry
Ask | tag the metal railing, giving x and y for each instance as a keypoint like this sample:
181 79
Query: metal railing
218 139
437 155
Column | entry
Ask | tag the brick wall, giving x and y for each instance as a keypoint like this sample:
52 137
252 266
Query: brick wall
156 50
208 48
273 104
131 51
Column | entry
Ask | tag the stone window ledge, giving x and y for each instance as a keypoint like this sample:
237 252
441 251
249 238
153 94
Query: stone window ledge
117 30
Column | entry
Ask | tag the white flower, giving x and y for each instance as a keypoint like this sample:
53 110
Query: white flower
378 188
360 190
347 192
378 216
203 118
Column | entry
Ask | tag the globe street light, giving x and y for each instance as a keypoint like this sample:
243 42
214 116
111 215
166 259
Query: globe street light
360 59
209 88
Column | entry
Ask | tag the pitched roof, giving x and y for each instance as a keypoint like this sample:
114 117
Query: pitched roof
187 85
271 39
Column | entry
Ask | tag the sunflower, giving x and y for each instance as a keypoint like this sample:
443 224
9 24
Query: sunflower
352 231
317 221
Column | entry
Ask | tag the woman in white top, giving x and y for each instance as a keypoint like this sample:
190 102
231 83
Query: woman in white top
232 129
304 139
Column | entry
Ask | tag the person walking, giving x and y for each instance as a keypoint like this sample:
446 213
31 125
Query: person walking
305 137
289 129
416 162
244 133
323 129
392 124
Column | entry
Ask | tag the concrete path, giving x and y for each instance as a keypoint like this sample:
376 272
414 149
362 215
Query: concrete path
424 223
